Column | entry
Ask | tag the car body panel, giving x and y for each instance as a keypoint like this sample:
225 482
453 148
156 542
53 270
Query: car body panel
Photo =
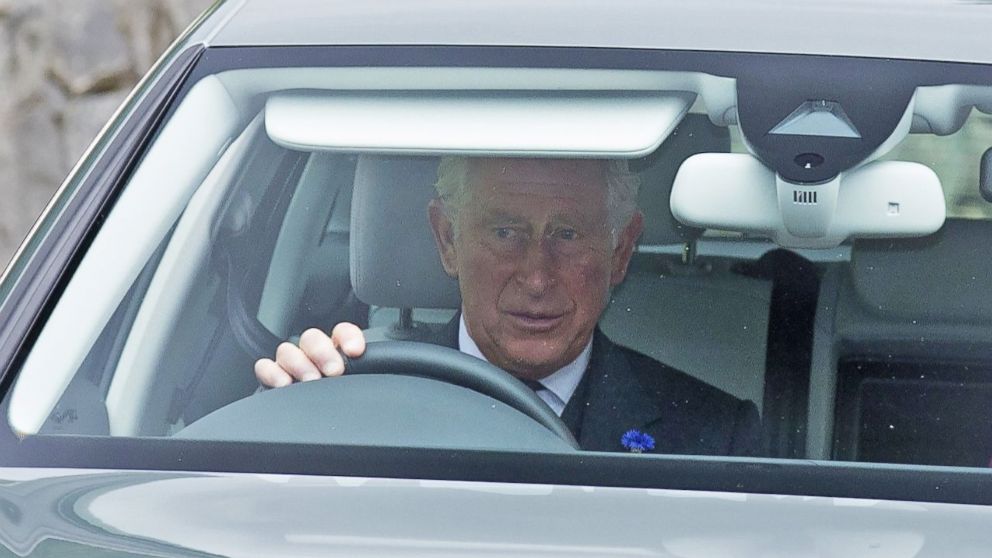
167 514
915 29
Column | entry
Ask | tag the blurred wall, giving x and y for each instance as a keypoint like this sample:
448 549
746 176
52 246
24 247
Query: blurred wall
65 66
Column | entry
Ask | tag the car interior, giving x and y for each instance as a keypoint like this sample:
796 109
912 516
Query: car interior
877 350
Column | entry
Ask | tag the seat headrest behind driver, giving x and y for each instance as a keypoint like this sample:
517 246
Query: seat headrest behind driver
394 260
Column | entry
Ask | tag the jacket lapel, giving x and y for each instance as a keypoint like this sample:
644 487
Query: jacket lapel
445 335
609 400
612 401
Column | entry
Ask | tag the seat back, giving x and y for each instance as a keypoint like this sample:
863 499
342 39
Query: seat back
906 362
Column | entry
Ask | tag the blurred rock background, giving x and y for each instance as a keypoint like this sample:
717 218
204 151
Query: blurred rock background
65 66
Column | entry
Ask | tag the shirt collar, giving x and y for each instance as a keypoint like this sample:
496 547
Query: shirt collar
561 383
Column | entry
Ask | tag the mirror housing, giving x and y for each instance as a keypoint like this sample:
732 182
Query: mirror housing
736 192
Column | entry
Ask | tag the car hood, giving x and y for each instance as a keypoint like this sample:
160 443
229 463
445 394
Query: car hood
52 511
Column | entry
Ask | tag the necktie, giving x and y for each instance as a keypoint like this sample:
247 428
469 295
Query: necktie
533 384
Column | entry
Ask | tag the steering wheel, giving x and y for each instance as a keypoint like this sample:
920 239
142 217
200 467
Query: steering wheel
423 360
399 393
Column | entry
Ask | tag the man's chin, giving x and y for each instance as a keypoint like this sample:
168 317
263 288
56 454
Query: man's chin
533 358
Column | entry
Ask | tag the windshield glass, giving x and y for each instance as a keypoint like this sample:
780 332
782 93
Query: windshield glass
276 204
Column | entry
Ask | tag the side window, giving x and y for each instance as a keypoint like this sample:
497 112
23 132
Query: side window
174 323
307 283
227 283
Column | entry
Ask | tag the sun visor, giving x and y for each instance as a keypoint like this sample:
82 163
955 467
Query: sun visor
594 124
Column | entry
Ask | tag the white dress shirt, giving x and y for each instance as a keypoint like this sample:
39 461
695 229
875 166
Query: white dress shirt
558 387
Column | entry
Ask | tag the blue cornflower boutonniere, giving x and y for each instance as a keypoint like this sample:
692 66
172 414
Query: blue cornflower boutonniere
637 441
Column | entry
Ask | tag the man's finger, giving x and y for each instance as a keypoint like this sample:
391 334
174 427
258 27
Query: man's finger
319 348
269 374
290 358
349 338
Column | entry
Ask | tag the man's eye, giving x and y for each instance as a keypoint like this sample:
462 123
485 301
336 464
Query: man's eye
503 232
567 234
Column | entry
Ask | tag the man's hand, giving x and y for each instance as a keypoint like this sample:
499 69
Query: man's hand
316 356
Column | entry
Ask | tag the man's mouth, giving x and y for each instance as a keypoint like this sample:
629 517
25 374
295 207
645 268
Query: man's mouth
536 321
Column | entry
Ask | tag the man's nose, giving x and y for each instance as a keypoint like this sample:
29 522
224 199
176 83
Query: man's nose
536 271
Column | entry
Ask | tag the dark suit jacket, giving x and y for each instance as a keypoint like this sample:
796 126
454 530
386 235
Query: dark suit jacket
623 390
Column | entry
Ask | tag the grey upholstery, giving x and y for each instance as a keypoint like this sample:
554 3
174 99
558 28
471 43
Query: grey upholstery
952 267
923 299
394 260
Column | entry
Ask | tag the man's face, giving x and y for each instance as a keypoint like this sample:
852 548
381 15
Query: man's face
534 258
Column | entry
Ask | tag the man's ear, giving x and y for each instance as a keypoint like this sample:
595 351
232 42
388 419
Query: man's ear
626 242
444 236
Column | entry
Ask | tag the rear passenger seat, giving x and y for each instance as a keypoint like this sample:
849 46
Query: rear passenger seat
903 353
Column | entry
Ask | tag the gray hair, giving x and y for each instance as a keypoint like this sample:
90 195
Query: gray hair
621 192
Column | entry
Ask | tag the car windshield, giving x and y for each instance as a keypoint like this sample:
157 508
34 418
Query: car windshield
633 247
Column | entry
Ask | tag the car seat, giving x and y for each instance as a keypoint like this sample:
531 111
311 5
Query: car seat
903 360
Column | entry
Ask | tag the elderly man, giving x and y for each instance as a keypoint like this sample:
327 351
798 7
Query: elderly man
536 246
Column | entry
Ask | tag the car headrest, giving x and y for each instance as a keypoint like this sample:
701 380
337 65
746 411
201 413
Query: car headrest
695 134
943 276
394 260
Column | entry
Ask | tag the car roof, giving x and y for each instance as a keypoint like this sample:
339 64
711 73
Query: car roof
945 30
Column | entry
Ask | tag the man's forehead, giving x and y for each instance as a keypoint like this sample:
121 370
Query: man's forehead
569 172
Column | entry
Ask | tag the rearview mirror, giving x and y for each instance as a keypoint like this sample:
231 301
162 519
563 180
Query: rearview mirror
736 192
